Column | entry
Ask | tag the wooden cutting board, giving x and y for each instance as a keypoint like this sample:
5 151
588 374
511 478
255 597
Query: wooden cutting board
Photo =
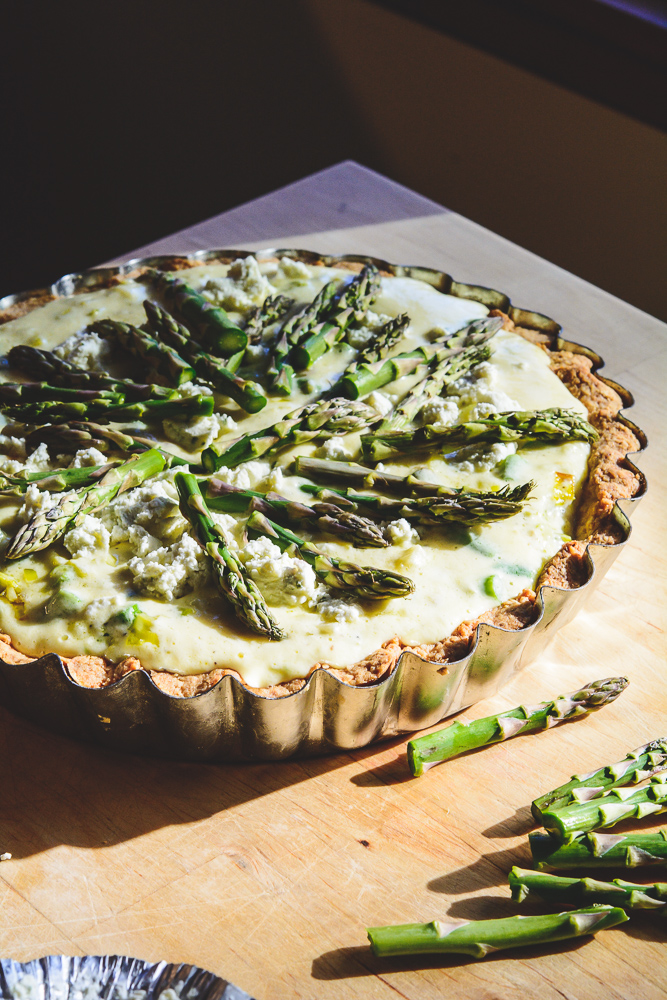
267 874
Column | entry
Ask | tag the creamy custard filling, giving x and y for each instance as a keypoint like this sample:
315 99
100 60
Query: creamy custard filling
132 580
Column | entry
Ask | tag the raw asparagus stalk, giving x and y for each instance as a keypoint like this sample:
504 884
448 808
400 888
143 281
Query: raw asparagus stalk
324 418
98 410
296 328
380 343
578 818
67 439
366 582
599 850
321 516
369 377
48 525
480 937
160 358
586 891
262 317
348 306
361 477
247 393
460 737
210 325
441 373
636 766
230 575
464 508
55 371
523 427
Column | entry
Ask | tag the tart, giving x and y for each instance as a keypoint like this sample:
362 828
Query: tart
469 510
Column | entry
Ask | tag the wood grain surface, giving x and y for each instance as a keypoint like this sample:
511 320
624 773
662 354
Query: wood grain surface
267 874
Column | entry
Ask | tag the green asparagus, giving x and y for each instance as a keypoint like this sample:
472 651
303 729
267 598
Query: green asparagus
523 427
459 737
578 818
639 764
25 393
210 325
480 937
295 329
246 392
54 480
380 342
586 891
160 358
599 850
262 317
48 525
67 439
367 582
322 419
230 576
55 371
101 410
326 517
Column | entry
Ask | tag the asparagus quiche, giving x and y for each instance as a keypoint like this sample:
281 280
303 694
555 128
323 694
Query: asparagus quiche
262 466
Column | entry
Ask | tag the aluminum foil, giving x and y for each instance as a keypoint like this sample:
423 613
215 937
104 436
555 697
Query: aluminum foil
110 977
230 722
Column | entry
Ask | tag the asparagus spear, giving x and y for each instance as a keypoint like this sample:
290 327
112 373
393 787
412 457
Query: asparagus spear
295 329
247 393
524 427
163 360
72 437
321 516
24 393
55 480
210 325
369 377
380 343
441 372
321 419
46 526
477 331
618 804
480 937
349 305
367 582
100 409
230 576
361 477
264 316
55 371
460 737
639 764
463 508
586 891
599 850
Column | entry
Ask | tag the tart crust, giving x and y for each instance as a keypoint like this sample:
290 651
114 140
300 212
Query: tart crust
611 477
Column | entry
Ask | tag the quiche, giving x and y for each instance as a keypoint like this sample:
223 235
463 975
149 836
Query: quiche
265 465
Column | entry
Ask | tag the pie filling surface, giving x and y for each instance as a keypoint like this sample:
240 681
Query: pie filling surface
131 579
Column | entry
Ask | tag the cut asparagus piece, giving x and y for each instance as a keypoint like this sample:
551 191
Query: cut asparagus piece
599 850
101 410
262 317
160 358
380 343
247 393
67 439
48 525
321 516
230 575
210 325
441 373
586 891
639 764
578 818
369 377
460 737
464 508
480 937
55 371
523 427
322 419
367 582
348 306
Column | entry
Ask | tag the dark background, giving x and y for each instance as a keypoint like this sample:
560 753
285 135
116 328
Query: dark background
125 121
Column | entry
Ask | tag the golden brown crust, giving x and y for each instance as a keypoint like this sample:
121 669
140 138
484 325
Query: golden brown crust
610 478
